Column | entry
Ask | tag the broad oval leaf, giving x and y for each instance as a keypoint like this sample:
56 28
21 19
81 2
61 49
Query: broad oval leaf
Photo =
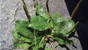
67 27
21 27
23 46
57 18
39 23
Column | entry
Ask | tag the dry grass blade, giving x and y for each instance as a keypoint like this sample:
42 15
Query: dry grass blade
26 10
76 8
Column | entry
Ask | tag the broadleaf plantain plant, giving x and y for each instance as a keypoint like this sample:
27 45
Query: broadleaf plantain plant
41 29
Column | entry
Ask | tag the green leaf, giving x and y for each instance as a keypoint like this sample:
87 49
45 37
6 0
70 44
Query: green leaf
23 46
59 40
69 42
24 39
39 23
21 27
42 43
35 47
57 18
40 11
47 48
51 24
57 28
16 36
67 27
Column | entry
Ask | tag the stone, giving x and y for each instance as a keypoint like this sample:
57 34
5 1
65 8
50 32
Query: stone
58 6
10 11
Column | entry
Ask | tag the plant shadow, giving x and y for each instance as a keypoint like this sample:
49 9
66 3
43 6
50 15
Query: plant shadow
82 16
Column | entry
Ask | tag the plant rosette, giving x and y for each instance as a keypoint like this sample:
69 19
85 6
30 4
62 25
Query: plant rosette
41 29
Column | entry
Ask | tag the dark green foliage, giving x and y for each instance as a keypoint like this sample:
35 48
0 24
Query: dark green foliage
34 33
